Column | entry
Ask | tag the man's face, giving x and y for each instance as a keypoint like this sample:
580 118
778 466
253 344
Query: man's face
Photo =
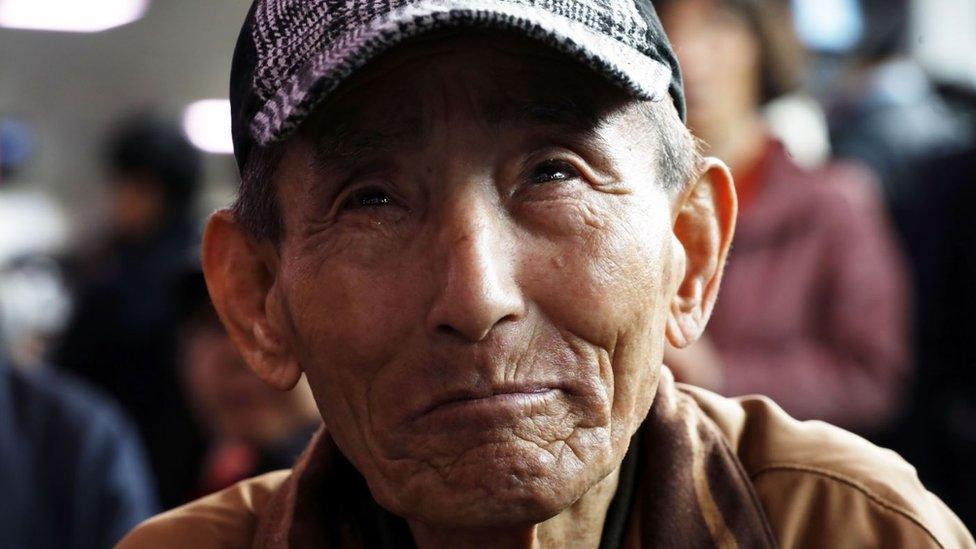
138 206
476 272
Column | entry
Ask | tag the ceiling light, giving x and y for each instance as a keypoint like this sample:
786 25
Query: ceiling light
832 26
70 15
207 125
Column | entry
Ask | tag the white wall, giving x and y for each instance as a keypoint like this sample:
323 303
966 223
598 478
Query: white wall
71 87
945 38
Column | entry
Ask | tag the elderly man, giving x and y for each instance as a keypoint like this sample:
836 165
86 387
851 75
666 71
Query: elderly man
473 225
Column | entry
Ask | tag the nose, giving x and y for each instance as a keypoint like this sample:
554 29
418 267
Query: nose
478 290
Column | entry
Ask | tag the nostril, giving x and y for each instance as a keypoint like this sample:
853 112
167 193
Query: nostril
447 329
473 331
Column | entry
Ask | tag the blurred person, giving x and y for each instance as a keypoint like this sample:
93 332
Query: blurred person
34 303
122 334
251 428
885 111
813 312
34 307
72 469
472 226
32 224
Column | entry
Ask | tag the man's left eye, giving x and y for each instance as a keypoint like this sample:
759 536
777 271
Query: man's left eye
553 170
369 197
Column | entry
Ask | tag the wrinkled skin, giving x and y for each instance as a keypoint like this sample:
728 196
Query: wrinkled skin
479 268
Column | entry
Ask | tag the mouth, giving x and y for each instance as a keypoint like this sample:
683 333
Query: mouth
491 401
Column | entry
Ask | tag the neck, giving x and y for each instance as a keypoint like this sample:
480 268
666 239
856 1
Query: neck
579 526
738 142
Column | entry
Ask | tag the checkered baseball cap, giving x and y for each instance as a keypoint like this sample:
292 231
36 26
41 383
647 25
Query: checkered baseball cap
292 53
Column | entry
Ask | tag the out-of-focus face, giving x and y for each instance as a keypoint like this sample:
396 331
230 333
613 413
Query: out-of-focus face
138 206
719 59
229 400
476 272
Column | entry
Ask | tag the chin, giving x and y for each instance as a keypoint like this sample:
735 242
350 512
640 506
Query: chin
493 487
499 508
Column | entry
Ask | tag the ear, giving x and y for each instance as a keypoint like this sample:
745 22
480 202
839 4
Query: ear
240 275
703 227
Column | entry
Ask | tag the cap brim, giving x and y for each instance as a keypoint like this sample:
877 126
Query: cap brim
633 70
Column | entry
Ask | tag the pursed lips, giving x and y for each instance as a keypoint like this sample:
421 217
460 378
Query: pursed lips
510 396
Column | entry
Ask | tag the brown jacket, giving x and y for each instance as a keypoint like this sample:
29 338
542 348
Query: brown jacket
713 472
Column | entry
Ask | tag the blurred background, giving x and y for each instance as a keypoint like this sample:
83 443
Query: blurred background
850 296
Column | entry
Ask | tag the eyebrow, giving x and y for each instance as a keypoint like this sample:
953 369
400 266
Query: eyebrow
563 113
342 146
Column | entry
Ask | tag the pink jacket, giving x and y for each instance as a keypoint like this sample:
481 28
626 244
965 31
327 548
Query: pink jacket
813 308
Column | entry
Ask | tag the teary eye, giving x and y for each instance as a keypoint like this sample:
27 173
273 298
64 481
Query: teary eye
553 170
370 197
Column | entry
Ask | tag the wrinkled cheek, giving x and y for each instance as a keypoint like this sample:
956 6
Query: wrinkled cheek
637 359
599 289
347 331
612 294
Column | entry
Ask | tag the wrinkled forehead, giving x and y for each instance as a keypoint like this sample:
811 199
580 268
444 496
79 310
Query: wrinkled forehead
498 79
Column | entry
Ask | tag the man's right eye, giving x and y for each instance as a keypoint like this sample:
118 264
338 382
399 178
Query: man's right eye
553 171
370 197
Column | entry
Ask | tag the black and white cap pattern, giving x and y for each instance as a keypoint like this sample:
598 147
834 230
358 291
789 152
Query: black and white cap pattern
301 50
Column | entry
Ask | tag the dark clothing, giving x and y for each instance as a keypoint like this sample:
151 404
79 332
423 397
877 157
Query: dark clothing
894 124
122 339
917 144
72 471
939 429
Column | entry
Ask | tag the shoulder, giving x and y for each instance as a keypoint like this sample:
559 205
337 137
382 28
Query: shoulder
824 203
67 411
822 486
837 188
225 519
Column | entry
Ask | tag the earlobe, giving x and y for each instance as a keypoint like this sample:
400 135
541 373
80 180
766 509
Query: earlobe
240 276
703 229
